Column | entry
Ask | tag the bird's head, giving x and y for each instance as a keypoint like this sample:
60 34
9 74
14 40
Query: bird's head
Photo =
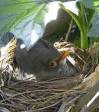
64 53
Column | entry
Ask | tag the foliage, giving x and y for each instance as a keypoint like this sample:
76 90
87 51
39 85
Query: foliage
83 21
94 32
12 12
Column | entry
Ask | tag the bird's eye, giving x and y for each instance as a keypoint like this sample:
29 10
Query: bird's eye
52 64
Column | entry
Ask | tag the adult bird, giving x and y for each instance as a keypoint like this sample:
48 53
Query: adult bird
38 60
43 59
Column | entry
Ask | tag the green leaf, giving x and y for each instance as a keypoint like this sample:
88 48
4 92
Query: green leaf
88 3
39 15
96 3
83 20
94 31
12 12
74 16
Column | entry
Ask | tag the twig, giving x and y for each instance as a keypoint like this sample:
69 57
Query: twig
69 30
40 109
15 96
10 105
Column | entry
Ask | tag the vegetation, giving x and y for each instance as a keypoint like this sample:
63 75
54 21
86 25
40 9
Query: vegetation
83 21
14 12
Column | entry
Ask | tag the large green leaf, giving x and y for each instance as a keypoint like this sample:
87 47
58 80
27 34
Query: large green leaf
12 12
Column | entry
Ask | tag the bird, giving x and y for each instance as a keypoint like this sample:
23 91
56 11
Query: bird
38 59
44 60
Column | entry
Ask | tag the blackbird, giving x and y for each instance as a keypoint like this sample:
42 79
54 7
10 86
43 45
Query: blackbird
42 59
36 61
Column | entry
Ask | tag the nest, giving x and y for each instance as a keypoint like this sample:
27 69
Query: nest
35 96
48 96
57 95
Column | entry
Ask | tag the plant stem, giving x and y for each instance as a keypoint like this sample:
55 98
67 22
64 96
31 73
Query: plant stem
69 30
84 40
